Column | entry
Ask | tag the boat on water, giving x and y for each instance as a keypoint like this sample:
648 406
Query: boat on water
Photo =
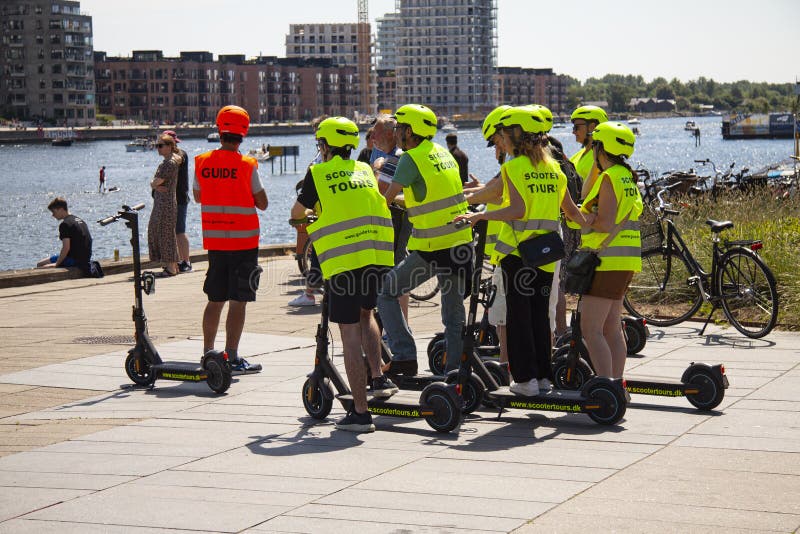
559 125
690 126
140 144
760 126
446 126
213 137
259 154
61 142
633 120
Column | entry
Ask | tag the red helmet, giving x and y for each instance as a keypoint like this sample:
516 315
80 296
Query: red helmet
233 120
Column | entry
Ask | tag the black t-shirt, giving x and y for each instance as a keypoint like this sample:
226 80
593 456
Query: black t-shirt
182 191
463 163
80 240
308 196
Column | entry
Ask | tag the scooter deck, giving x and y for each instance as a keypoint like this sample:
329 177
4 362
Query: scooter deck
179 366
398 405
192 372
556 400
416 382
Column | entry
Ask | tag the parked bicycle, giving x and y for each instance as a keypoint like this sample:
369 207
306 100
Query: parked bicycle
673 285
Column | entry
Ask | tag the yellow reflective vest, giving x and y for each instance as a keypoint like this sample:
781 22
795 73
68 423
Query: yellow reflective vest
354 228
444 199
542 187
624 252
583 160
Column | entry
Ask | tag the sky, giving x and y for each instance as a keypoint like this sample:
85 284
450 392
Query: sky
727 40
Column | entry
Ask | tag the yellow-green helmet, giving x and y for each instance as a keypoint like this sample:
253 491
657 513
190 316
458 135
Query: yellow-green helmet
617 139
589 113
546 114
421 119
526 117
338 132
491 120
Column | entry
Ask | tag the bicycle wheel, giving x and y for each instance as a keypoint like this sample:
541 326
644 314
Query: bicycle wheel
746 288
426 290
663 292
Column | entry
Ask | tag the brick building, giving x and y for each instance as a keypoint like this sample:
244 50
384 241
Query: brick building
192 87
519 86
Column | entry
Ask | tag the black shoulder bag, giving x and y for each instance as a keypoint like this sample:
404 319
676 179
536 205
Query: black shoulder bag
583 263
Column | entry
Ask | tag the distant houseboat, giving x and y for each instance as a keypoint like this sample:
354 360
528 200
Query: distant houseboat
751 126
140 144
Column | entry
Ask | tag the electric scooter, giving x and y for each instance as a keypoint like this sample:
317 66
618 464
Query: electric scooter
703 385
604 400
472 393
634 329
486 340
439 403
143 364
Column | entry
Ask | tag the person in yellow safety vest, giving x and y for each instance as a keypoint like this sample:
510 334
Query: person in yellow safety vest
613 198
228 189
354 240
495 196
584 120
537 192
433 195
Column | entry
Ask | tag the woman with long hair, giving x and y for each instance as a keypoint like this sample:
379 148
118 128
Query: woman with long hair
161 240
537 193
613 205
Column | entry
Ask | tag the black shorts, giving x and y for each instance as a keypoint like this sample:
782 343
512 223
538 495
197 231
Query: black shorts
350 292
232 275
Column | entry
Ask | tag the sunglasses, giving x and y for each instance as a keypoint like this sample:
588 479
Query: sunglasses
159 145
576 125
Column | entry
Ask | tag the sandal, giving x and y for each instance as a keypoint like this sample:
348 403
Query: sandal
166 273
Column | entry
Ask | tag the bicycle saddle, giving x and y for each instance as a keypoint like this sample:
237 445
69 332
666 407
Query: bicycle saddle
718 226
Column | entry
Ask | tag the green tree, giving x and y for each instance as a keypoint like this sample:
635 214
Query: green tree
665 92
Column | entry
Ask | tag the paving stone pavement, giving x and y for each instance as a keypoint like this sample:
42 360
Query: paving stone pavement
182 459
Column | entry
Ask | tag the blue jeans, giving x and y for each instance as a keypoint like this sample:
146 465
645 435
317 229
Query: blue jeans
404 277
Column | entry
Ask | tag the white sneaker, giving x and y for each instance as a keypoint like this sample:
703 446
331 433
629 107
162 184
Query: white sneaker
544 385
303 300
527 389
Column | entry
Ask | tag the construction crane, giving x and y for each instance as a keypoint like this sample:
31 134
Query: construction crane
364 58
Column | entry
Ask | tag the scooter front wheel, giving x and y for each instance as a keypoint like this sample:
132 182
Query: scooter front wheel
566 376
140 371
474 391
317 398
441 406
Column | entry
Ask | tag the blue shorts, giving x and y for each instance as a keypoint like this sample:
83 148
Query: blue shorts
68 262
180 222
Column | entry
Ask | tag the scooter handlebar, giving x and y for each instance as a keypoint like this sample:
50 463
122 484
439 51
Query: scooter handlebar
107 220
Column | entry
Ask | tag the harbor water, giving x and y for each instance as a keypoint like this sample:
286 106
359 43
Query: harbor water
35 174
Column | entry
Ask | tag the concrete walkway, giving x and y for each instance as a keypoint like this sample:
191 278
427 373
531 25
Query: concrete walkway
80 454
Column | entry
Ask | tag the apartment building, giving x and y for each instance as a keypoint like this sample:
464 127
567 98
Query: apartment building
46 62
519 86
446 54
193 86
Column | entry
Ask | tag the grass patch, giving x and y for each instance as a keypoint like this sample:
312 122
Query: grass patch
760 216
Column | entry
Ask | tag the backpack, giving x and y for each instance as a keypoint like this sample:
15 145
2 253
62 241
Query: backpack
95 270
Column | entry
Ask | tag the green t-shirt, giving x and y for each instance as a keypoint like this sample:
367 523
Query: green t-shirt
408 175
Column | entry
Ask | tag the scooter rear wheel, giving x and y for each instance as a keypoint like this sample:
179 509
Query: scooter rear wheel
143 376
711 393
446 414
219 374
614 404
318 403
635 335
437 358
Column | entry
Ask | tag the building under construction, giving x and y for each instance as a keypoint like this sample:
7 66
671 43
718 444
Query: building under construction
446 55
